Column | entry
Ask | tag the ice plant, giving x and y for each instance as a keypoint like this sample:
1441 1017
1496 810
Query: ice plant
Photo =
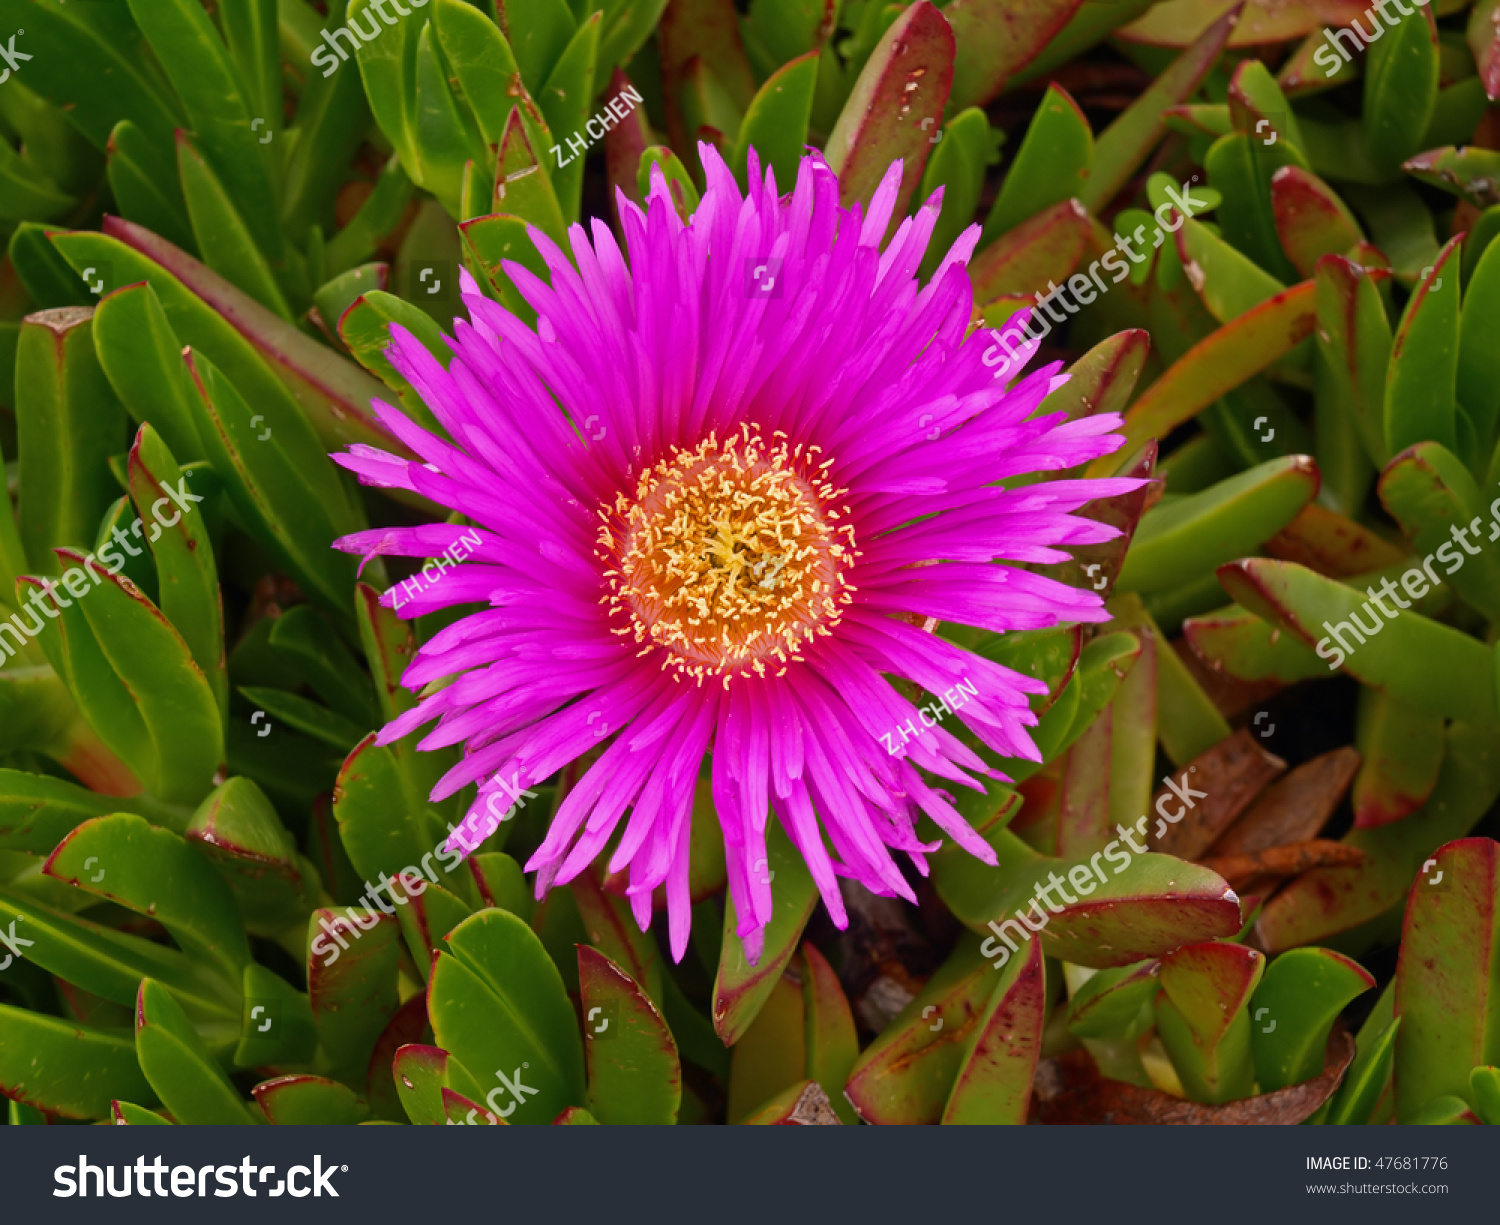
736 491
836 422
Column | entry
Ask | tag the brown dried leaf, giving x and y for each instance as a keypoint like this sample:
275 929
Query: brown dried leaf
1070 1090
1294 809
1223 782
803 1105
1240 870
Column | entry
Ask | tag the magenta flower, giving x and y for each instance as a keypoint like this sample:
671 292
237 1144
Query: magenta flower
720 491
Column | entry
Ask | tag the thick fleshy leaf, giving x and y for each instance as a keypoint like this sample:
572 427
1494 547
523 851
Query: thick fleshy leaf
770 1057
742 984
64 1068
995 39
385 821
829 1039
1366 1095
1202 1021
304 1099
68 423
277 367
1311 220
1401 84
242 836
1146 905
1420 661
1125 144
155 872
187 578
1183 541
1478 374
1430 493
1447 975
134 678
185 1076
1293 1011
775 126
1402 752
993 1084
1176 23
427 913
37 811
276 1025
1051 165
612 930
1218 364
907 1073
1333 545
223 238
88 61
420 1073
142 357
1229 282
1249 649
1420 386
1354 344
522 187
110 964
905 82
959 165
351 985
708 31
126 1114
497 1003
1042 249
1112 1002
1188 723
564 101
633 1069
283 487
189 48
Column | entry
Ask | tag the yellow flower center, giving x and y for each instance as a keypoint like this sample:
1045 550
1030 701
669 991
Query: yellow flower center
729 555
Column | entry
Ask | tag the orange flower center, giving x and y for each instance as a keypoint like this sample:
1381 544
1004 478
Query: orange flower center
729 555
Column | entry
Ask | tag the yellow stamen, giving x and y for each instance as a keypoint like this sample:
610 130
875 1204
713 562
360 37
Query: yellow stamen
728 554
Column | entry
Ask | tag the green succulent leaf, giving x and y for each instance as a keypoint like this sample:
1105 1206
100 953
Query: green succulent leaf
188 1080
633 1070
742 985
64 1068
1294 1008
498 1005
